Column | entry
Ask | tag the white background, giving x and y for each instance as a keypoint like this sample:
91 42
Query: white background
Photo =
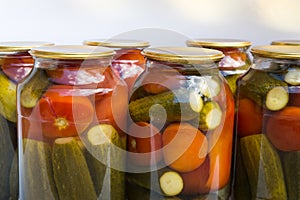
73 21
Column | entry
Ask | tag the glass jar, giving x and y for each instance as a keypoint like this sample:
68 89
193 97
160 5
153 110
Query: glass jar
286 42
72 124
180 134
268 124
128 61
236 61
15 64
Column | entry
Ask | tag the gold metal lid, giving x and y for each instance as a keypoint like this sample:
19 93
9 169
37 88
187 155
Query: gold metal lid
191 55
117 43
21 46
71 52
220 43
286 42
277 51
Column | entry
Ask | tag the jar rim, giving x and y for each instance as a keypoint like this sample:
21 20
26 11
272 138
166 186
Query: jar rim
218 42
286 42
277 51
22 46
71 52
184 55
117 43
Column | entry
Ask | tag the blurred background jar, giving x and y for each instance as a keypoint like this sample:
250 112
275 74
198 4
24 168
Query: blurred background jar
15 64
128 61
180 133
286 42
72 123
236 61
268 124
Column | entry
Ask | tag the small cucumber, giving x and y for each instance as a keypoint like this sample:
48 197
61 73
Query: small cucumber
257 85
291 168
37 179
105 157
71 173
165 181
14 178
176 105
32 90
8 103
277 98
263 168
292 77
210 116
6 156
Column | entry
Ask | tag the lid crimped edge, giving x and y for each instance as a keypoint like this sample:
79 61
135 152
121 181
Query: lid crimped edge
117 43
286 42
277 51
22 46
71 52
218 43
183 55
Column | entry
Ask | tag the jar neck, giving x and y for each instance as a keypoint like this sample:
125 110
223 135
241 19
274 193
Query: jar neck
273 64
47 63
152 65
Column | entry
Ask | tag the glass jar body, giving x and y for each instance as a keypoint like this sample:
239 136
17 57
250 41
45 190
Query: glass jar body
128 64
267 128
72 125
237 61
14 67
171 139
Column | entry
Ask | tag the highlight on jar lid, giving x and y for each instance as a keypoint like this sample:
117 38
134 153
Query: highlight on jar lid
286 42
22 46
117 43
218 43
277 51
71 52
190 55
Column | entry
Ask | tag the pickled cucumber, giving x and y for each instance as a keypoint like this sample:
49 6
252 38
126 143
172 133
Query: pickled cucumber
291 168
70 170
6 156
263 168
8 104
256 85
104 157
210 116
32 90
175 103
37 180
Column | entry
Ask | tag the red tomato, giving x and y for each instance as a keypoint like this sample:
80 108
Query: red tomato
144 144
17 67
64 115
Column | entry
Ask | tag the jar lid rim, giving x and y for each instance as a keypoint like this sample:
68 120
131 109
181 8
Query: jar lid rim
218 42
71 52
277 51
22 46
117 43
191 55
286 42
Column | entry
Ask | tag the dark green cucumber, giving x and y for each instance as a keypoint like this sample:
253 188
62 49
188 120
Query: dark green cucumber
210 116
263 168
257 84
149 180
71 173
241 188
106 160
37 180
232 82
14 178
291 168
174 105
6 156
33 90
